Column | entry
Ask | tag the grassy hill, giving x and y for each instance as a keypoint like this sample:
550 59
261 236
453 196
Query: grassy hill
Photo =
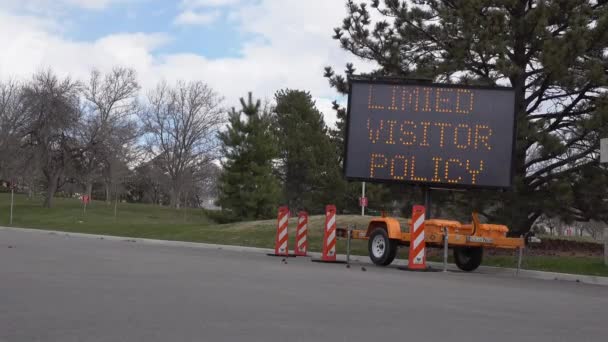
155 222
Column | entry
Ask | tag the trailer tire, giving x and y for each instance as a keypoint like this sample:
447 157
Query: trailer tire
382 249
468 258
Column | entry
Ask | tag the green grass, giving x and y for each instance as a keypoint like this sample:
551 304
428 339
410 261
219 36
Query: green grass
134 220
560 264
149 221
155 222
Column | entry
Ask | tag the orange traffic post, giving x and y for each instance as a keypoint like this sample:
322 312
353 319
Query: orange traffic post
417 256
280 243
329 236
302 234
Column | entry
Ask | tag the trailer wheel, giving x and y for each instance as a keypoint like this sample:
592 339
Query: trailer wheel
382 250
468 258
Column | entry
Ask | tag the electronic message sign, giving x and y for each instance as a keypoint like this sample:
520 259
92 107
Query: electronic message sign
434 134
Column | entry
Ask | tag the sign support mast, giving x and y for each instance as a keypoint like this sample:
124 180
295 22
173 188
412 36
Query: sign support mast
362 197
604 160
427 201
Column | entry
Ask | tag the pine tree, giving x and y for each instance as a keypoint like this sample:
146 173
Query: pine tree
551 52
248 186
309 163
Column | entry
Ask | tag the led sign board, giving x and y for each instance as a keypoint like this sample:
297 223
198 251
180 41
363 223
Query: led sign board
434 134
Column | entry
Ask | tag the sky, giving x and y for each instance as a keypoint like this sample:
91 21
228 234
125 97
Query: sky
235 46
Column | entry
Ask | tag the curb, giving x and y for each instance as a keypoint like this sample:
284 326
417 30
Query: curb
489 270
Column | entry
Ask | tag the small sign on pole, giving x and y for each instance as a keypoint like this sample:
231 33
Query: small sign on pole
363 202
604 150
85 201
606 246
13 185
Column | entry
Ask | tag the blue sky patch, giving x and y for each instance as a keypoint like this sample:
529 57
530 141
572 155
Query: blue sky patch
220 38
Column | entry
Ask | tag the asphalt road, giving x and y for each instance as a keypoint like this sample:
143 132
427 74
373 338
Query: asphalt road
61 288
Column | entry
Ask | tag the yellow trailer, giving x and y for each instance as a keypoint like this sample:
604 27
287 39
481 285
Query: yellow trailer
467 240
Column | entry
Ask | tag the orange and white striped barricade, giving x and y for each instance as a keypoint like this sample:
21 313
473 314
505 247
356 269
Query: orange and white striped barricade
417 256
302 234
280 244
329 237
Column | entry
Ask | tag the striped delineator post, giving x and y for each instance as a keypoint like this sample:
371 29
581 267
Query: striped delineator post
329 235
417 256
302 234
280 246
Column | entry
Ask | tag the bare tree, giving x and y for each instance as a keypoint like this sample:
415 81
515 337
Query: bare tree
595 229
108 125
12 122
123 154
51 110
200 184
181 125
208 186
151 183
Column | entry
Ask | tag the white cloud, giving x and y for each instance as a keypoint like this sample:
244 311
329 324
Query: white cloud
92 4
325 106
202 12
208 3
30 44
292 45
49 6
190 17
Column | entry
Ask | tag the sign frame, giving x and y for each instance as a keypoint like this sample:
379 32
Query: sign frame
384 80
604 151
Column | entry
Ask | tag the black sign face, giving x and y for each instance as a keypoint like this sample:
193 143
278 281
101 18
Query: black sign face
438 135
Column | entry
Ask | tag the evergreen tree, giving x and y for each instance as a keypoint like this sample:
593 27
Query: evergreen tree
309 163
248 186
551 52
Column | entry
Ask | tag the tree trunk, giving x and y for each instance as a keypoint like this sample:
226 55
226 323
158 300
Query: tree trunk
89 189
174 200
185 206
50 191
30 191
115 203
108 194
520 211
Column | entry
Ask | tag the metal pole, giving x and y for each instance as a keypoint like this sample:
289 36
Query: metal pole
427 202
12 203
520 255
445 249
348 235
606 246
185 207
362 196
604 160
115 202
